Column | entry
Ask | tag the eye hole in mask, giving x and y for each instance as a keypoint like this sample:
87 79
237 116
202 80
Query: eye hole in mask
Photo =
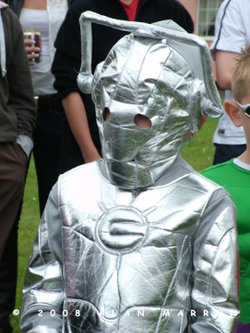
142 121
106 114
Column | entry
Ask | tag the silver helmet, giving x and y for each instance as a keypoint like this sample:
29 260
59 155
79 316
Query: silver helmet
149 94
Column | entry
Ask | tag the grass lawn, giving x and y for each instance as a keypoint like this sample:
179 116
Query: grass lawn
199 153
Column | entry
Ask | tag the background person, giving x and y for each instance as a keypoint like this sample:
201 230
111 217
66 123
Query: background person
81 138
234 176
17 121
231 35
45 17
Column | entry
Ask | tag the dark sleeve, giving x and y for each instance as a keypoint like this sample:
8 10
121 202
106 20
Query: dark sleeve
160 10
18 72
184 19
67 60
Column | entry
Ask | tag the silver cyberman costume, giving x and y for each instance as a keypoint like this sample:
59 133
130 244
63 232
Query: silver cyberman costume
138 242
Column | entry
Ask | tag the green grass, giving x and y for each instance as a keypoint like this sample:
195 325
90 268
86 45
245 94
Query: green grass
199 153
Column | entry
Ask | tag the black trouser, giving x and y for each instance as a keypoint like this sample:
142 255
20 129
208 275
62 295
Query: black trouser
71 155
225 153
13 166
8 278
47 145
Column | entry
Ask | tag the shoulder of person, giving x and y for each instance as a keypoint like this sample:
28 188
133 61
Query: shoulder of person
216 169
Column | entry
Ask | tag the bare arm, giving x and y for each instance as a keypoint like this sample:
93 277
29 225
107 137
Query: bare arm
224 63
78 122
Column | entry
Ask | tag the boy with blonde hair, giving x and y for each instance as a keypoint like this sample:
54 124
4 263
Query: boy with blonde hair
234 175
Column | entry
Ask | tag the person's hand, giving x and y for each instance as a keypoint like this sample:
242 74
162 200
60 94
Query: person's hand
32 52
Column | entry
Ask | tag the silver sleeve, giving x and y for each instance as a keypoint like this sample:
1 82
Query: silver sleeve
43 290
215 289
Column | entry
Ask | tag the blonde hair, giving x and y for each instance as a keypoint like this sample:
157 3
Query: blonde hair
241 75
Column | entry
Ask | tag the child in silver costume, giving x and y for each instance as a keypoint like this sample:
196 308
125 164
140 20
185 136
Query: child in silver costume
138 241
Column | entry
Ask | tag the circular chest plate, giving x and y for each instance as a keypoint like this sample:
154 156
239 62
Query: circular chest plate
121 230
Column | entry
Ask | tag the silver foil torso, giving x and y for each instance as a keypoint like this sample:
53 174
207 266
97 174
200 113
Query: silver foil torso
157 260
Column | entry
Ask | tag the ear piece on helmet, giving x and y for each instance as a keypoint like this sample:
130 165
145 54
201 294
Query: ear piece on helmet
192 48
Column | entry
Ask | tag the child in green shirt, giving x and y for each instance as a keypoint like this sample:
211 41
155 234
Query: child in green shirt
234 175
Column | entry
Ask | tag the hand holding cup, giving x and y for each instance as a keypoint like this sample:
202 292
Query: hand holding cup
32 48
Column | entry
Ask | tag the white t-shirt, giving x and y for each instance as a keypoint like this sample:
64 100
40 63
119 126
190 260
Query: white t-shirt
42 78
232 33
47 22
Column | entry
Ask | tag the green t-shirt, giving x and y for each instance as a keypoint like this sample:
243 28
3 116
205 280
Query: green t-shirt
236 180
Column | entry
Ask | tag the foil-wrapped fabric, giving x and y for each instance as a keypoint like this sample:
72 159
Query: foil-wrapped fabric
138 242
158 260
159 72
